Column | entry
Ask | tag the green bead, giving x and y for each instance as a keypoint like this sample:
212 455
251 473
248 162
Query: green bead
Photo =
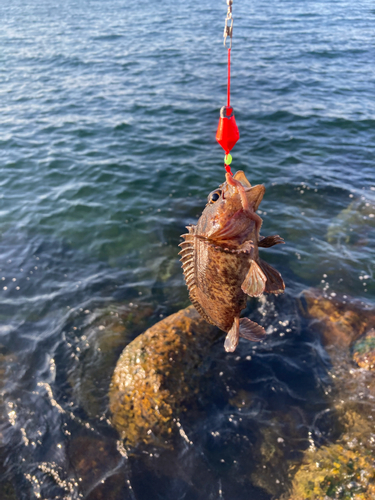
228 159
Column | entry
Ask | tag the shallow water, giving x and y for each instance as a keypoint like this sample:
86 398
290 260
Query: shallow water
107 139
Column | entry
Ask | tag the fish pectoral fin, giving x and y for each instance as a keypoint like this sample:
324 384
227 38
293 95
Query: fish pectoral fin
274 283
255 281
251 331
233 336
270 241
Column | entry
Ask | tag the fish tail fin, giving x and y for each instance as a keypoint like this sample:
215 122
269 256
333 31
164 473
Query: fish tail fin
274 283
255 281
251 331
233 336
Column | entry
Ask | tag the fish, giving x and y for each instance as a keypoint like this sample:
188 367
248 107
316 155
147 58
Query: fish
221 263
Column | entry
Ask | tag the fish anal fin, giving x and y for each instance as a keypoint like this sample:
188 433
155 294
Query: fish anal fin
274 283
233 336
270 241
255 281
251 331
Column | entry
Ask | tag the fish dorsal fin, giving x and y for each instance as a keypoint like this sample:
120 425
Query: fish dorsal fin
255 281
241 177
274 283
188 266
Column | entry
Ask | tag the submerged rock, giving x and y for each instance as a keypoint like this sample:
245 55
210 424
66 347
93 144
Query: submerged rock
273 456
345 469
96 462
340 320
364 351
103 340
347 330
7 490
353 224
156 373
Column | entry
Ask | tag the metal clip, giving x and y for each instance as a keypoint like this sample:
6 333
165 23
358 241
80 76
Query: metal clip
228 27
226 112
228 31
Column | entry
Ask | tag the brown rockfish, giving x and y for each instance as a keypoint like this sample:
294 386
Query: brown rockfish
221 263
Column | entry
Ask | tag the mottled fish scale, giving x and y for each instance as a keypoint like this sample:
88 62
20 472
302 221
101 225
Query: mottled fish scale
219 293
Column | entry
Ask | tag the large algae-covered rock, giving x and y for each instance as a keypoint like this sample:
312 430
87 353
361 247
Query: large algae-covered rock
345 469
340 320
155 373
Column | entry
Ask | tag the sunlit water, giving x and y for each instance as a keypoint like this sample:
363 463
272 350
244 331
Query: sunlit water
107 140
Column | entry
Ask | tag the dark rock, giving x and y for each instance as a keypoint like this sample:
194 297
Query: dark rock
95 460
114 487
7 490
101 344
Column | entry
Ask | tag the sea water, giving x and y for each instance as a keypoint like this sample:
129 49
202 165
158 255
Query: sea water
107 151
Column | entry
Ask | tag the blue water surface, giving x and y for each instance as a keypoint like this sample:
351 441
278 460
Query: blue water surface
107 151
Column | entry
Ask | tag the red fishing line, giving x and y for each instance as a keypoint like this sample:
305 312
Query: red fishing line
227 131
228 95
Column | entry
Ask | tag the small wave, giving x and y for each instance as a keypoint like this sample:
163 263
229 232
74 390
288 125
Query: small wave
108 38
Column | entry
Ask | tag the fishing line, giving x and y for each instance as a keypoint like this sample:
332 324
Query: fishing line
227 132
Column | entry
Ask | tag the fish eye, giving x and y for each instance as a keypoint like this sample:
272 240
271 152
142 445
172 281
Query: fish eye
214 196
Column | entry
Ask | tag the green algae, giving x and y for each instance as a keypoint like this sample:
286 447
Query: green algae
364 351
343 470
